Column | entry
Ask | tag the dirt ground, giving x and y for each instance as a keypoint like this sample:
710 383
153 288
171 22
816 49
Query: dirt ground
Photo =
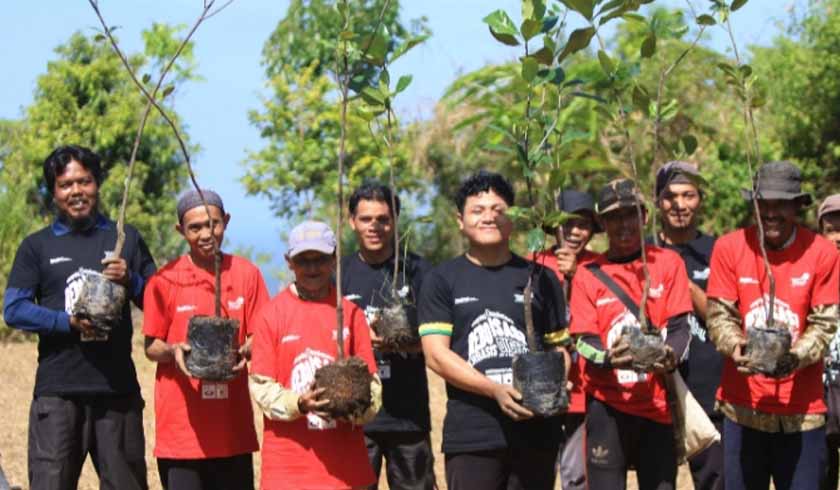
17 368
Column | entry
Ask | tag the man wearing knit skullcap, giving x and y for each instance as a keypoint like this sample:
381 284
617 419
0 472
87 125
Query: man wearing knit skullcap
204 430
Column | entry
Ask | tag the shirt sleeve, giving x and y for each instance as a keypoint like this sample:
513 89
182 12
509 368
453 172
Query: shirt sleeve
826 279
20 308
434 309
722 280
555 331
157 316
142 267
257 298
584 316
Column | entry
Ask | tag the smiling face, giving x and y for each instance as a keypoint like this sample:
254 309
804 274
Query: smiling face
483 220
679 206
76 193
312 269
195 227
779 219
373 224
830 227
577 232
623 233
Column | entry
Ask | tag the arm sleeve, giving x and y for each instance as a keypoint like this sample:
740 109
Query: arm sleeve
434 309
142 267
723 321
274 400
157 316
20 309
592 349
812 345
679 335
555 329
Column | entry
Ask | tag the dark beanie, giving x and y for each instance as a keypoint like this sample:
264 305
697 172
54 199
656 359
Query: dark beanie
191 199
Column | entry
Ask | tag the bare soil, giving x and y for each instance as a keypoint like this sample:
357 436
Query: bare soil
18 361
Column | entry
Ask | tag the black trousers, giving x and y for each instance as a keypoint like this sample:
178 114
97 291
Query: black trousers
616 441
707 466
64 430
409 461
231 473
503 469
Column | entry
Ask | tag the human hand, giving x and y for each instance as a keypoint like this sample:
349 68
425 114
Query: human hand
566 261
244 354
668 362
508 400
618 356
742 362
82 325
309 402
116 270
179 351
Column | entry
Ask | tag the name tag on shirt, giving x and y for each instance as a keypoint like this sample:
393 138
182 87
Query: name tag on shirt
384 370
214 391
314 422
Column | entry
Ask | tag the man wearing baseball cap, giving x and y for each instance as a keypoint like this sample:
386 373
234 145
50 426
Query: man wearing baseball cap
678 200
774 424
295 335
628 422
828 219
205 432
563 258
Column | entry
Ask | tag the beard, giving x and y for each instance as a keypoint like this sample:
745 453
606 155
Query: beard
79 224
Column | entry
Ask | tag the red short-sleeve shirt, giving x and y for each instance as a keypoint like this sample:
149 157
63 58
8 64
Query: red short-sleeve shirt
195 419
597 311
293 338
577 397
806 274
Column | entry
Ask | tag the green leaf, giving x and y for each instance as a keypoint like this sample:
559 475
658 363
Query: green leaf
554 75
529 68
736 4
746 70
384 79
648 46
373 96
689 143
606 63
544 56
376 46
557 218
502 27
583 7
641 99
533 9
634 17
346 35
548 23
520 214
403 83
407 46
530 28
99 37
147 77
168 90
578 40
535 240
706 20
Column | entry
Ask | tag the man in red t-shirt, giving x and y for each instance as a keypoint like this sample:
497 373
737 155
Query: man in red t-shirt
775 424
204 430
295 334
564 258
627 417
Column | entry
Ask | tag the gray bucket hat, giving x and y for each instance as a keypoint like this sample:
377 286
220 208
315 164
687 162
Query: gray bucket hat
778 180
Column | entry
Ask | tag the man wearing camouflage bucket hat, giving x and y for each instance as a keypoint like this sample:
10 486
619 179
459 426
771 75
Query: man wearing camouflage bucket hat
774 422
628 420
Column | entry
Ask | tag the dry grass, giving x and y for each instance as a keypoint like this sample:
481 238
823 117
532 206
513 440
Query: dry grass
17 365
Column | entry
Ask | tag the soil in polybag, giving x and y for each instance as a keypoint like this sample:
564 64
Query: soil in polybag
766 347
646 349
346 384
99 300
391 324
213 347
540 377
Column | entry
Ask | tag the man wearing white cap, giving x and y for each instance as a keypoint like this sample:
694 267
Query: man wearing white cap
294 336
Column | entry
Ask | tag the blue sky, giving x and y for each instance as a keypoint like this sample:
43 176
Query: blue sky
228 51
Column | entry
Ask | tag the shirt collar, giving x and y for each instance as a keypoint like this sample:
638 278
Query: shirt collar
61 229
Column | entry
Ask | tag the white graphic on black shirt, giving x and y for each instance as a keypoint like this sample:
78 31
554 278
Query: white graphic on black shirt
494 335
832 360
303 374
756 317
696 329
701 275
58 260
72 291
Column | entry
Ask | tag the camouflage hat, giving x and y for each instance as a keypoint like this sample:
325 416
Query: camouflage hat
620 193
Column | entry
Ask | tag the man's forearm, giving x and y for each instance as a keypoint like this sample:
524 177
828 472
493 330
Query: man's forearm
158 350
274 400
455 370
21 312
724 325
812 345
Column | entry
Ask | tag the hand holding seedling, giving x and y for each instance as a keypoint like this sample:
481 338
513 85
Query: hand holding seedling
83 325
244 355
508 400
566 261
116 270
668 362
309 403
178 351
741 360
619 356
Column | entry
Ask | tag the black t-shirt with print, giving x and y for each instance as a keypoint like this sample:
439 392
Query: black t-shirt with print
405 390
703 369
47 263
484 309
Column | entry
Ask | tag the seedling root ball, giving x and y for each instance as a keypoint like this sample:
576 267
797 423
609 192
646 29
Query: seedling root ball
541 379
346 384
213 347
99 300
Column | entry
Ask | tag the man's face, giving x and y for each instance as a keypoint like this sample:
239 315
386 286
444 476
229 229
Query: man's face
76 193
373 225
483 220
830 227
195 227
577 232
312 269
623 233
779 219
679 205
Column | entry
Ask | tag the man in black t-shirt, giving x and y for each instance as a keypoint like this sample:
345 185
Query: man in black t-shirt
400 432
86 399
472 323
679 199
